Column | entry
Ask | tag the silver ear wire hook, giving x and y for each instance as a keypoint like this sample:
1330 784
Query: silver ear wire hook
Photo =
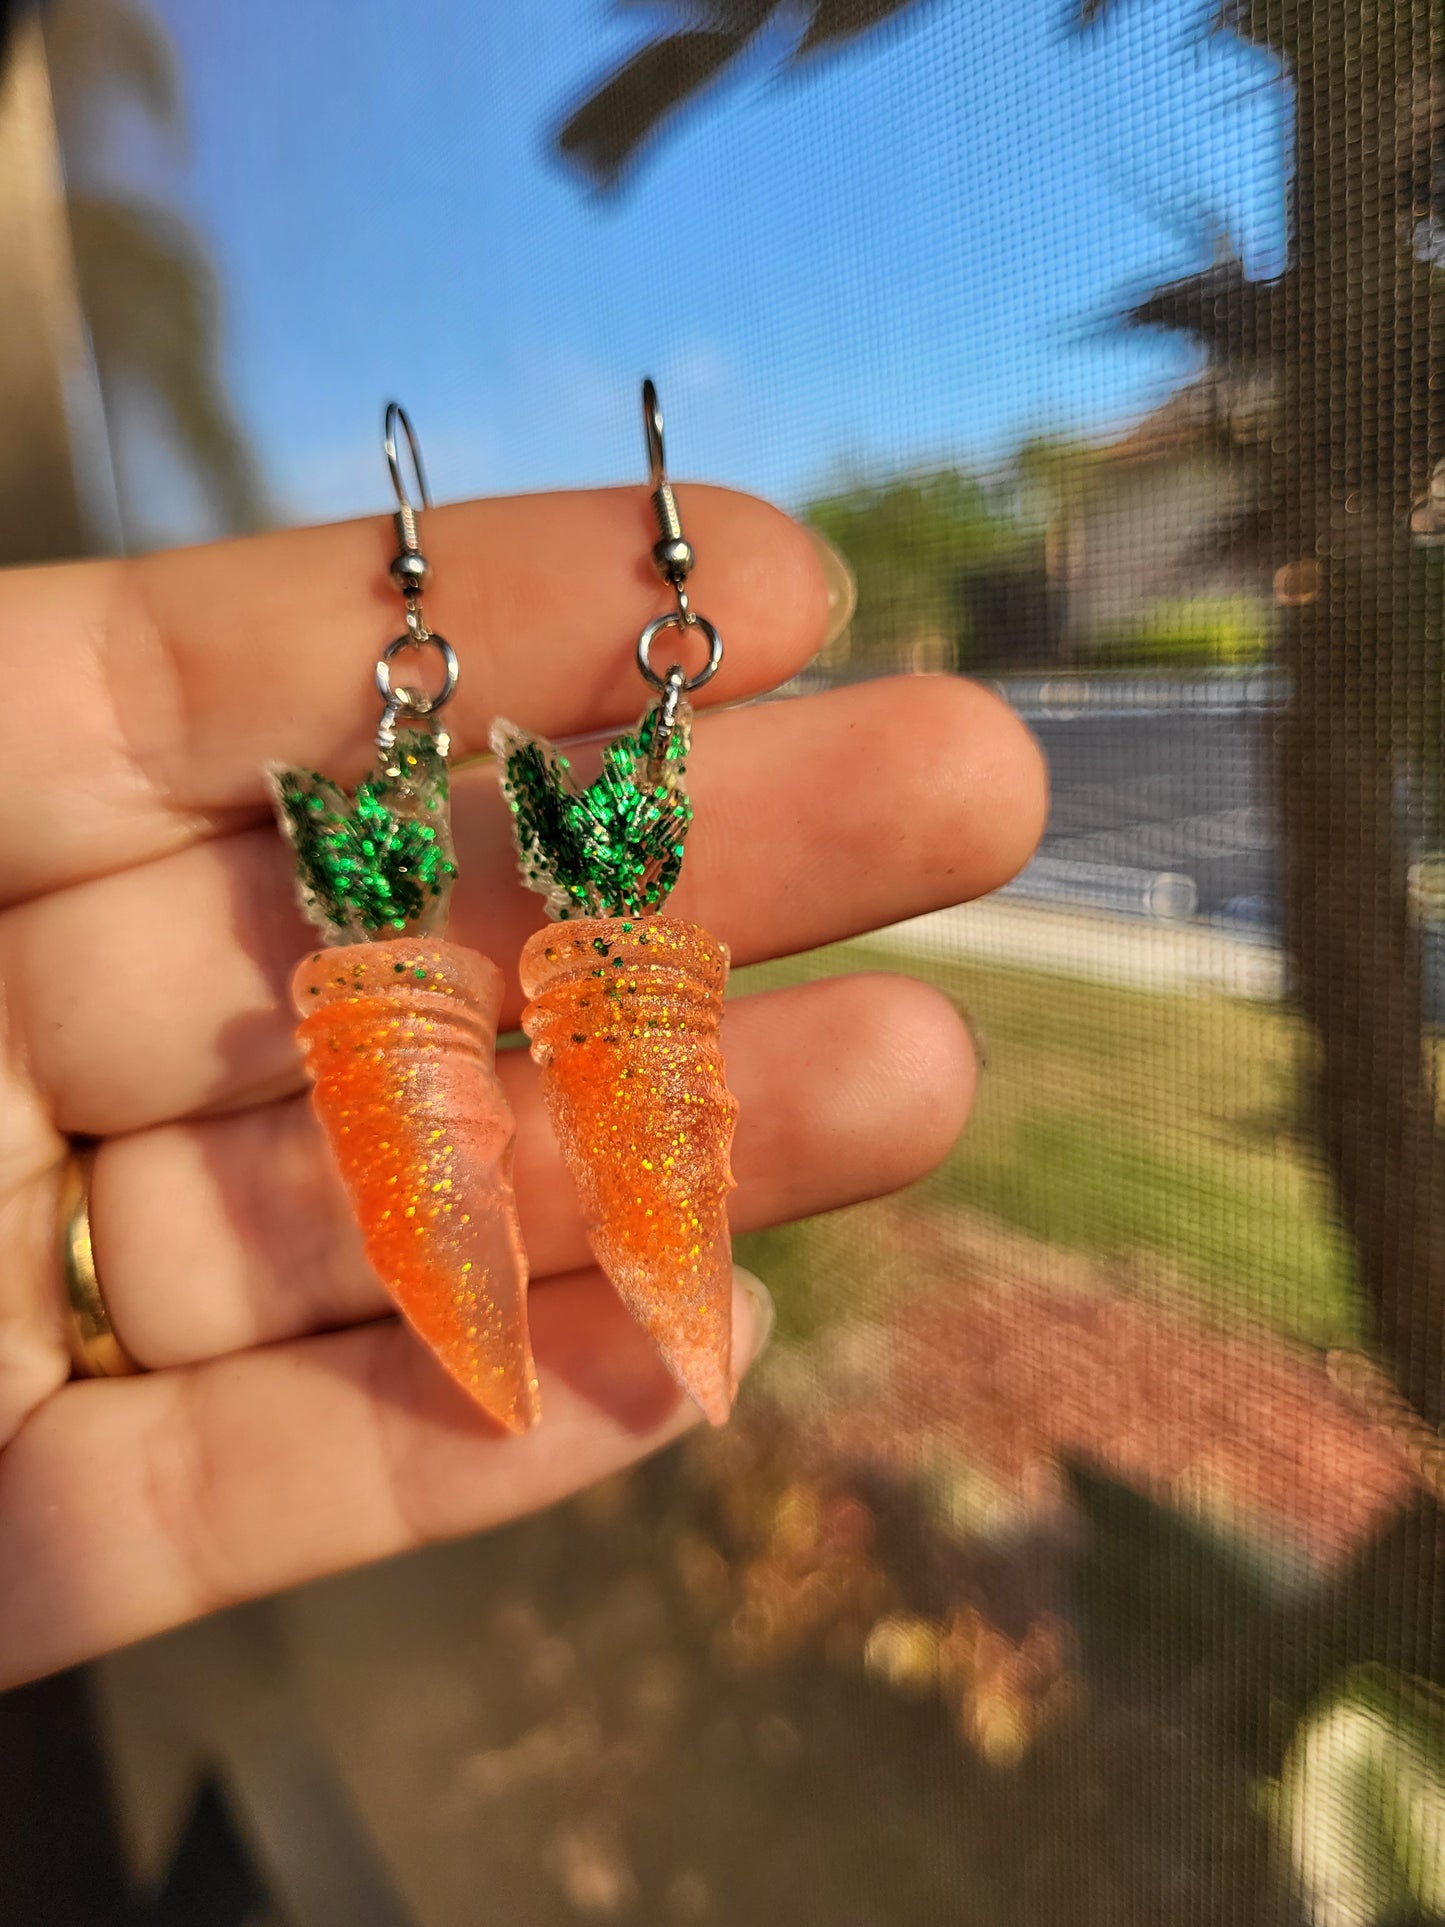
672 553
672 557
406 509
652 428
396 413
410 571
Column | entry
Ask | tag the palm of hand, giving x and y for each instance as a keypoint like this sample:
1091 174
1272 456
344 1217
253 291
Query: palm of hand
285 1425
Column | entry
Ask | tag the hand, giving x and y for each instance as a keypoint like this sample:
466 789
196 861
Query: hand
285 1426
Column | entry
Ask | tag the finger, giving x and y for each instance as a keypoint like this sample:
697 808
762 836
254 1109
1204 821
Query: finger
185 673
34 1348
815 820
130 1506
215 1236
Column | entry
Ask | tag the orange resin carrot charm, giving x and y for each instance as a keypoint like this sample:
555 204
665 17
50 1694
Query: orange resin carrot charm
624 1018
398 1040
624 1014
398 1027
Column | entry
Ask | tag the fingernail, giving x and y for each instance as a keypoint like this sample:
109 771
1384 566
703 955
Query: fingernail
763 1310
842 586
977 1035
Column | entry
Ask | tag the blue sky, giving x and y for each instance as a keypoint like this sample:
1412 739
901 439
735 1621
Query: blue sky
903 254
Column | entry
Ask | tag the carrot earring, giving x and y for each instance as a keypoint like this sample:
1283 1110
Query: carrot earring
398 1027
626 1003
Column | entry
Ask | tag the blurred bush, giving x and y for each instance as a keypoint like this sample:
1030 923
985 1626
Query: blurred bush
1191 632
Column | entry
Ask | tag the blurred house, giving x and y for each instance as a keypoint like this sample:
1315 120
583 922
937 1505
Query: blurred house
1145 561
1134 553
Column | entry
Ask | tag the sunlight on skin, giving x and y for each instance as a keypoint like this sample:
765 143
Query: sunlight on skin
144 950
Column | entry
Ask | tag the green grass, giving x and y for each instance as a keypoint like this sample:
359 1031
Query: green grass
1164 1130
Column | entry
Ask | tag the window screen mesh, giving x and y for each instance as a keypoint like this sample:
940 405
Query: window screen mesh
1073 1558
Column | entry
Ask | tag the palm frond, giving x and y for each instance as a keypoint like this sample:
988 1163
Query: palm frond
835 23
610 128
106 47
152 307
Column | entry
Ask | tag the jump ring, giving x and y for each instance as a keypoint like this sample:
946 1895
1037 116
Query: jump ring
415 701
672 620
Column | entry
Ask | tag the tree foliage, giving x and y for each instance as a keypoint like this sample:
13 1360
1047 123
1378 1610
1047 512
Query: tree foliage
918 544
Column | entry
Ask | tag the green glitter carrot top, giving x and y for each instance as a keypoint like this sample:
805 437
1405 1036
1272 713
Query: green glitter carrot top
398 1031
379 862
613 848
625 1006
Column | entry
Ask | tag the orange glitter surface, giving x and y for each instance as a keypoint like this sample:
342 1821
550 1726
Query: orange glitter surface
624 1019
398 1039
